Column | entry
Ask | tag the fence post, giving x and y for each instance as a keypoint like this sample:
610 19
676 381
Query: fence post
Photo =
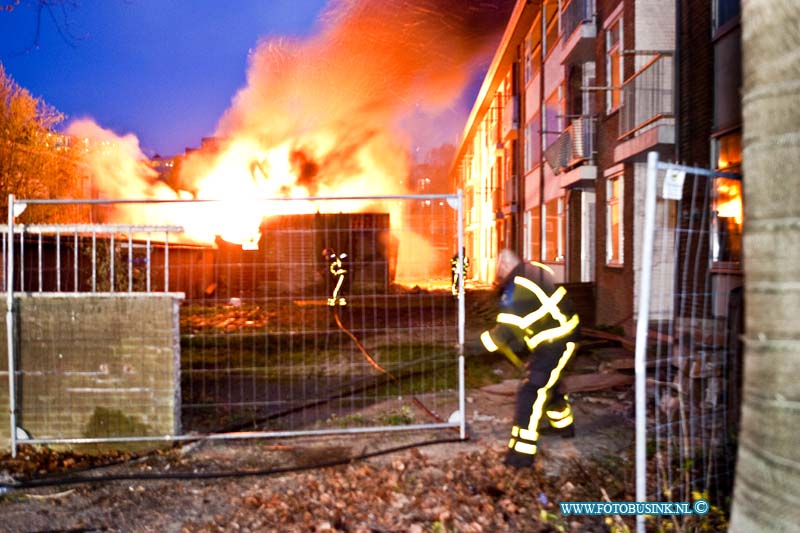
641 335
12 408
461 314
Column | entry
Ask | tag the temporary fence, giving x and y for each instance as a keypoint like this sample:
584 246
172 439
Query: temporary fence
688 355
326 315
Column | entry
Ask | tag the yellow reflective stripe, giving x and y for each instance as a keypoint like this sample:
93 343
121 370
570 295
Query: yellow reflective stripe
512 442
548 306
561 424
515 431
510 318
558 415
543 297
488 343
527 434
541 394
523 322
338 286
544 267
553 333
524 447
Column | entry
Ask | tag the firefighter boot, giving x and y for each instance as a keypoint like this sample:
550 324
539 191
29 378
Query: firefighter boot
559 418
521 448
518 460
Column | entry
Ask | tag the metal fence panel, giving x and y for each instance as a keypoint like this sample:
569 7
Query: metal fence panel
264 347
688 355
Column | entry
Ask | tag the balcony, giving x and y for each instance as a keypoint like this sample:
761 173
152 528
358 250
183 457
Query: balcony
510 117
497 201
647 97
574 146
580 30
646 120
510 194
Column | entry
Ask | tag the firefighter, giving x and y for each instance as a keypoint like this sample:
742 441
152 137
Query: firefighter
457 269
535 324
338 273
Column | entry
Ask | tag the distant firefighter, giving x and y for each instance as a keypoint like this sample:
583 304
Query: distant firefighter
338 277
457 269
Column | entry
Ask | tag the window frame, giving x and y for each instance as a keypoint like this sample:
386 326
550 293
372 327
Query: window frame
727 157
553 233
615 202
613 53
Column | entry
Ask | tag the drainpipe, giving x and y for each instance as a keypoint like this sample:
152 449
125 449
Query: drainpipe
676 69
519 234
542 113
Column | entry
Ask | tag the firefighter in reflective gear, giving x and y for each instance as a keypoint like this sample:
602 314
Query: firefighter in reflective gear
338 272
458 269
536 325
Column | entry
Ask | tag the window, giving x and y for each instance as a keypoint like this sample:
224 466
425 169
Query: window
528 64
554 230
536 234
551 37
533 51
725 11
614 221
536 60
533 144
614 64
527 155
726 228
553 116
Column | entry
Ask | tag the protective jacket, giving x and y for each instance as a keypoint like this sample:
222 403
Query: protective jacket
537 330
338 271
457 268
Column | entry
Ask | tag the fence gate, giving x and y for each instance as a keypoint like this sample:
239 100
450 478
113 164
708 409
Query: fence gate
325 315
688 353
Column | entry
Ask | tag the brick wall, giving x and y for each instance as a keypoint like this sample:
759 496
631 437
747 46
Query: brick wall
695 83
94 366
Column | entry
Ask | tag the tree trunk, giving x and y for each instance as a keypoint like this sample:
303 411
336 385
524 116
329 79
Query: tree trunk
767 490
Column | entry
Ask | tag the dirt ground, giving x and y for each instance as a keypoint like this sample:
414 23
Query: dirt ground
396 481
279 485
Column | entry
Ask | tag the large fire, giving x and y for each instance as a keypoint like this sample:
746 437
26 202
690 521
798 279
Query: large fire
328 116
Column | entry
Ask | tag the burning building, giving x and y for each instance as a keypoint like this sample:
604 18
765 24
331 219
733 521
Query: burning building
288 260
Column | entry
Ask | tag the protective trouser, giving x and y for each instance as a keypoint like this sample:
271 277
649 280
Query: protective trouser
538 399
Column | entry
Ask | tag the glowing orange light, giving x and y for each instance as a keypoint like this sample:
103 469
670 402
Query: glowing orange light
730 200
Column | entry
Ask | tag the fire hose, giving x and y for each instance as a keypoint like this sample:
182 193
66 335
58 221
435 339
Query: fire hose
371 360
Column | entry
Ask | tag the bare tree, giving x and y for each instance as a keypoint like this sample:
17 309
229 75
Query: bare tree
767 490
57 11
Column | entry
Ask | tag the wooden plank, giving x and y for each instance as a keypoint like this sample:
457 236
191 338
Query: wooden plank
595 382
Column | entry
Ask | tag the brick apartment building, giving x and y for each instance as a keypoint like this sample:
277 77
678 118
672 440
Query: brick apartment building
553 158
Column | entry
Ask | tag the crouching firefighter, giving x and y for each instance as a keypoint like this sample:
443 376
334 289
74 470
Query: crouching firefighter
535 324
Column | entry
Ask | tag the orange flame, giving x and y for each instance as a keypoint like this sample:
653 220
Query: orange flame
321 117
730 200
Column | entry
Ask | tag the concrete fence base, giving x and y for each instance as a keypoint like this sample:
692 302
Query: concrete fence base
93 366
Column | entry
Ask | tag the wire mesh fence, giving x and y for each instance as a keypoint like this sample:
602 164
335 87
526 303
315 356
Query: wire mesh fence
330 315
688 352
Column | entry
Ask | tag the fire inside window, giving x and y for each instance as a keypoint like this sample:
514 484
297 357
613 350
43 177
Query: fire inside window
727 230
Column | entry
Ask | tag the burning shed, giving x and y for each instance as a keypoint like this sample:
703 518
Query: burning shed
289 260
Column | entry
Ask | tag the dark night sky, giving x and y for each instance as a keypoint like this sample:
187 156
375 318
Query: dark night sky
165 70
